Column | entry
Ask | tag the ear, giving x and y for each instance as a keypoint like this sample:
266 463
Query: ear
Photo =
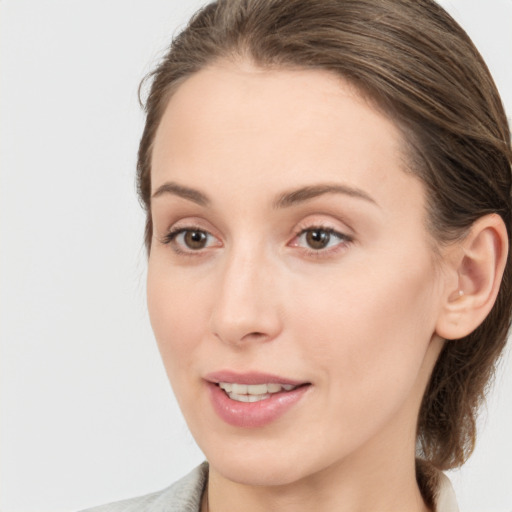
473 278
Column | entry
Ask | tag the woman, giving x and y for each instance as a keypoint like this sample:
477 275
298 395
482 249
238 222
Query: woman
328 195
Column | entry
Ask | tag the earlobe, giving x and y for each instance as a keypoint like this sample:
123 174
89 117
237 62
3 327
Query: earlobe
479 267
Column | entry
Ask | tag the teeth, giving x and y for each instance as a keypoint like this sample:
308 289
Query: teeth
253 392
239 389
248 398
226 386
260 389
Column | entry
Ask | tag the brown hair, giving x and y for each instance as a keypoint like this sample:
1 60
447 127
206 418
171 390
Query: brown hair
420 67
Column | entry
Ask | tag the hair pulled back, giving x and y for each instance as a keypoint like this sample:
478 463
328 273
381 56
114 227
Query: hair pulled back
419 66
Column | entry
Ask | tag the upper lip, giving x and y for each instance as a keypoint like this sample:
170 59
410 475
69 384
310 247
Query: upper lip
252 377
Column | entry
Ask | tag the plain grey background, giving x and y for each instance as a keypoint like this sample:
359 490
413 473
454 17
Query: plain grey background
87 415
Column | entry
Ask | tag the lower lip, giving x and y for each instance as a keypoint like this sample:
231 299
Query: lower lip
254 414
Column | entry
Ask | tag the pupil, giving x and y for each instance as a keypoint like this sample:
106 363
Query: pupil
317 238
195 239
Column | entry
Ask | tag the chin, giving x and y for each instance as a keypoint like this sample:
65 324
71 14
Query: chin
271 463
255 473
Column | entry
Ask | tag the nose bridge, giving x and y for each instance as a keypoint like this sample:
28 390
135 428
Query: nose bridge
245 308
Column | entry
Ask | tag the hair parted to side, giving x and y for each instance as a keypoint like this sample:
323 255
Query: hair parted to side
420 67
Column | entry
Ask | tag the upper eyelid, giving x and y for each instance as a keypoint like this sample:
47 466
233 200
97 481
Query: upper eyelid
327 225
317 225
325 219
190 224
329 230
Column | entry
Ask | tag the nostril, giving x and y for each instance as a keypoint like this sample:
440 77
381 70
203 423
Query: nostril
241 321
255 335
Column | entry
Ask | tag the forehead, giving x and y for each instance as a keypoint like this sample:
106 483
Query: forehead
294 101
243 124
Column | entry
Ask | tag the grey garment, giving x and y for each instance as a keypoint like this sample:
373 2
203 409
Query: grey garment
182 496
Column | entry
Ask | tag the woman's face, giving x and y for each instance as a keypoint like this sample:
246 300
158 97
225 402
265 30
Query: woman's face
290 251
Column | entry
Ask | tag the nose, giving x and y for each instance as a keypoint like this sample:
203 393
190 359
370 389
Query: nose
246 307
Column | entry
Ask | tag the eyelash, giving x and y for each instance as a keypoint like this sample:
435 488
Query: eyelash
170 239
344 240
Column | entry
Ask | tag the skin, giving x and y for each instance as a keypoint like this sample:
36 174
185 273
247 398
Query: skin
357 319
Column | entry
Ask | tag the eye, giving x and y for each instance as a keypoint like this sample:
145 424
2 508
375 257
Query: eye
190 239
194 239
318 239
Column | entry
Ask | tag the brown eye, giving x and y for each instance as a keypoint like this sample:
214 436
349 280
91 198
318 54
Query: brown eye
318 238
321 240
189 240
195 239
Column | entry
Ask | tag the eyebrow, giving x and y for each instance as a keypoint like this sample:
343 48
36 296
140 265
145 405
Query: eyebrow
302 194
181 191
285 200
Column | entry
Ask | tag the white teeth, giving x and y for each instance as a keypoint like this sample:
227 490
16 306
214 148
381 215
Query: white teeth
248 398
253 392
260 389
239 389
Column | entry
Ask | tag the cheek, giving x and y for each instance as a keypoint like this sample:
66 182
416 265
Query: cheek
177 312
371 332
365 303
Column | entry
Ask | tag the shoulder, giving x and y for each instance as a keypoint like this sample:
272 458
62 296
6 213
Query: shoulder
445 496
435 487
182 496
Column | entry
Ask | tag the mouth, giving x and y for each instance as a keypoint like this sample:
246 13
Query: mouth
254 392
251 400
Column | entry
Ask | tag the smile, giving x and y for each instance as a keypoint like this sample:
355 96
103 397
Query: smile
253 399
253 392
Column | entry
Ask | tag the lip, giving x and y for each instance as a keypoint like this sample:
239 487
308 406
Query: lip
253 414
250 378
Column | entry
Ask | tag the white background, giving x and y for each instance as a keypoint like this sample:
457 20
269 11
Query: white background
87 415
